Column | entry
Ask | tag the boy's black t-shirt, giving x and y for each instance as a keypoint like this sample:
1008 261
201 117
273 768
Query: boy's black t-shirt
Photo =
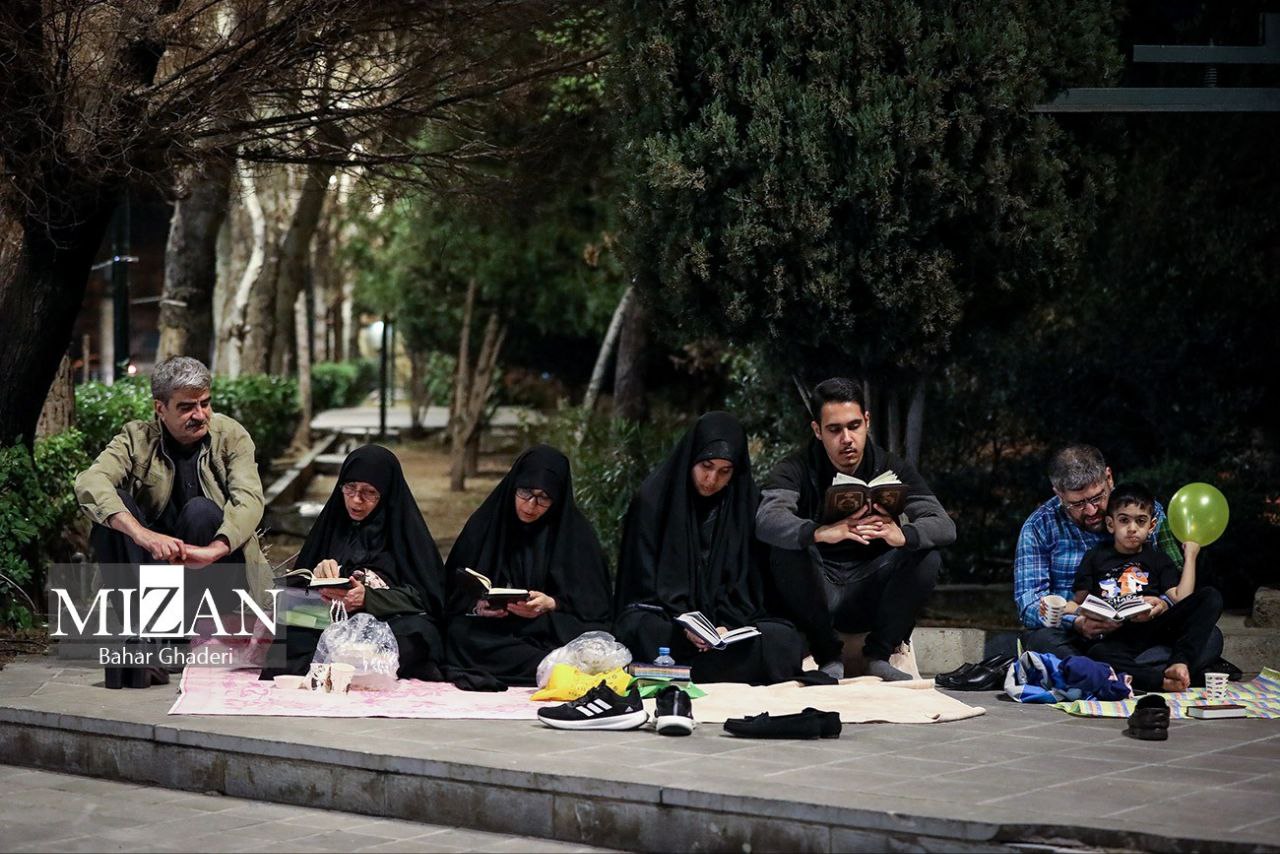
1108 574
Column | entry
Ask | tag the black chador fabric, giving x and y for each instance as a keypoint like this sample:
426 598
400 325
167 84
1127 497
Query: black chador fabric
394 542
559 554
683 552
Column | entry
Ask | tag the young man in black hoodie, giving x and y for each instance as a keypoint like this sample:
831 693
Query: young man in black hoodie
867 572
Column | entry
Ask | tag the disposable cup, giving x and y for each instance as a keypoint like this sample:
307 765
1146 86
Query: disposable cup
340 677
1215 686
293 682
1053 608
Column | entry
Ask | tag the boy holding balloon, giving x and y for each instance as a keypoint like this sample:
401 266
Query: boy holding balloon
1181 618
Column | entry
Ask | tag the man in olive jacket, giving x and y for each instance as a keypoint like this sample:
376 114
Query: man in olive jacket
182 488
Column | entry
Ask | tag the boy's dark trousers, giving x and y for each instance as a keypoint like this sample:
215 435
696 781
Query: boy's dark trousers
1185 628
883 598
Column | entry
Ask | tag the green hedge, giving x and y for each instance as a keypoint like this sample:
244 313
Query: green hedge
342 384
266 406
37 506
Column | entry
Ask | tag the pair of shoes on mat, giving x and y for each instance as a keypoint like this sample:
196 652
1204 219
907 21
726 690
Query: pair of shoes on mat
1150 719
604 708
811 723
985 675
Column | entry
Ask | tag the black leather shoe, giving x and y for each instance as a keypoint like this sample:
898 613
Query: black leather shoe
1150 719
983 677
811 723
953 677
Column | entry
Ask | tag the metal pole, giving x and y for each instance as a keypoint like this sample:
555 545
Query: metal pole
382 397
120 290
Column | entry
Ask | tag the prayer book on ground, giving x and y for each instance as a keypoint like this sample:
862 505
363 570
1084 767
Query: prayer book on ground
1120 610
847 495
482 587
303 577
1220 710
696 622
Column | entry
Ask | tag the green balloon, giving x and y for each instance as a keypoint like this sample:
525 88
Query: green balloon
1198 513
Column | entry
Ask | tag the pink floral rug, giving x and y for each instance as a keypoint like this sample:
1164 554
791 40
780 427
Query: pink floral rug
219 691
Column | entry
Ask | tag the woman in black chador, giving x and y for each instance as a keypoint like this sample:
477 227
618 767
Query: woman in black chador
372 531
528 534
689 545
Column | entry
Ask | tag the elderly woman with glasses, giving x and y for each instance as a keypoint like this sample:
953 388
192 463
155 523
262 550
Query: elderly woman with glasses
372 532
528 535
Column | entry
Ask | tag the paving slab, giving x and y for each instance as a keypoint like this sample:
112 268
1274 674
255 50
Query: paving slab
1016 776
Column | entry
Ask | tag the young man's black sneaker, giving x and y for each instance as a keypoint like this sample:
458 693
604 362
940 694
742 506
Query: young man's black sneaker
599 708
674 712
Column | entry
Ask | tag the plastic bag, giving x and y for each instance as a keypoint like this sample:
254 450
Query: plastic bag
368 645
590 652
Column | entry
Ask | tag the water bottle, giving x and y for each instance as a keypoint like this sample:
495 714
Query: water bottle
664 658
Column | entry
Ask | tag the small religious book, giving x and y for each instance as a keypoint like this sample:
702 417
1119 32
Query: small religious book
482 587
697 622
1125 608
304 578
847 495
1220 710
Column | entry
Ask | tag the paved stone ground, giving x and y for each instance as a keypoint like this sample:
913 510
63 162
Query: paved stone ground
1212 780
45 811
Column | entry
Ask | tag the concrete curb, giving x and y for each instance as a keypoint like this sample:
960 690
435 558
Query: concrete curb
570 807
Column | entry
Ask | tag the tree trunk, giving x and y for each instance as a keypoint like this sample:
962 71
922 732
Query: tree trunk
418 401
473 455
302 436
190 266
234 339
43 272
59 411
295 264
602 360
893 424
915 422
472 386
629 399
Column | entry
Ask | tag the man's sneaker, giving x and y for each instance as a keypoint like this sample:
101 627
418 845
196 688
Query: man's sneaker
599 708
674 712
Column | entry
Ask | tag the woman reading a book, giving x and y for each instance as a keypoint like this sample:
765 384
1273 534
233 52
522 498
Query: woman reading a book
689 545
528 535
372 532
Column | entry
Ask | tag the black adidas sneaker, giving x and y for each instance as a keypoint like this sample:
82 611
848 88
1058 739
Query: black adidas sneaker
599 708
673 712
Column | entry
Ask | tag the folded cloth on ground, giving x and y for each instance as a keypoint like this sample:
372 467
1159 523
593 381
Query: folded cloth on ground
1260 696
865 699
215 691
1041 677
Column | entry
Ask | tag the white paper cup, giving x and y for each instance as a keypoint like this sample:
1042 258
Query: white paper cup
1054 606
340 677
292 682
1215 686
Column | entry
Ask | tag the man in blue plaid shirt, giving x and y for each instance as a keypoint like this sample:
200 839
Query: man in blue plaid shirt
1053 541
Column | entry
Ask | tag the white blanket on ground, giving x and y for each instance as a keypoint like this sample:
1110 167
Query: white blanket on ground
865 699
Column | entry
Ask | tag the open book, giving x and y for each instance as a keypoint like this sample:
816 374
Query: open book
696 622
482 588
847 495
304 578
1118 610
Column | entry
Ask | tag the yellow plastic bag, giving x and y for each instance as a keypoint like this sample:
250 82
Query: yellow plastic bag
569 683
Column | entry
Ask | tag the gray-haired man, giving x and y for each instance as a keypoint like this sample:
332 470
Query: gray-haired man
181 488
1054 540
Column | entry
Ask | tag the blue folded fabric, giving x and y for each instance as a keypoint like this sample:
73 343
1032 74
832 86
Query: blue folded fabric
1041 677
